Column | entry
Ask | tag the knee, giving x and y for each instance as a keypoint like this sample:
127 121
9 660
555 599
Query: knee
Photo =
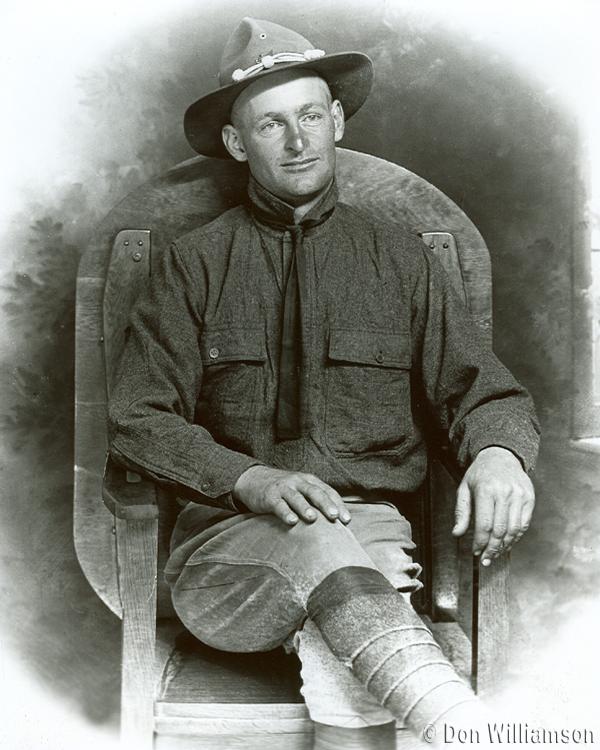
236 607
330 542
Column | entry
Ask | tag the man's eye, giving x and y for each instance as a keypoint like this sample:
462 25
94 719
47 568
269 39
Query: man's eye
269 127
311 117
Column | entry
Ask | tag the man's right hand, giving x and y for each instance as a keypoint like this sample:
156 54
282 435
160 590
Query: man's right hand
289 495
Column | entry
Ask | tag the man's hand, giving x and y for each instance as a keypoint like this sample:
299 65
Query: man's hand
289 495
502 496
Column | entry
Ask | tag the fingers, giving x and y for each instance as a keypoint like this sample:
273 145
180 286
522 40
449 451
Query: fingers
278 507
513 533
495 545
324 498
526 511
298 503
512 512
462 513
484 521
298 496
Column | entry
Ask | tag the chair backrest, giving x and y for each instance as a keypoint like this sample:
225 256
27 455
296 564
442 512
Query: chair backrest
119 259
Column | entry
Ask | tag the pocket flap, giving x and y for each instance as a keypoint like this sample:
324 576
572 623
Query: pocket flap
232 345
376 348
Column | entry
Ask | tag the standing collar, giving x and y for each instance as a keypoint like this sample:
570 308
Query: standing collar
271 210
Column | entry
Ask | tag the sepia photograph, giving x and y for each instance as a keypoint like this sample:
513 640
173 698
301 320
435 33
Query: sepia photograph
300 354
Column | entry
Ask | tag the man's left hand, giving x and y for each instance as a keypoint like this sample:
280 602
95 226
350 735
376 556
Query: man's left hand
502 497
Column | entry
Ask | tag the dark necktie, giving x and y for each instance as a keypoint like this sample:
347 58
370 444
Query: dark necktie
289 396
270 210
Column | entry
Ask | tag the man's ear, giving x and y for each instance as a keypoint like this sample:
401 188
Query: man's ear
233 142
339 121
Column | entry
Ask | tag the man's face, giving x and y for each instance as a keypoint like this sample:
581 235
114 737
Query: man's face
286 127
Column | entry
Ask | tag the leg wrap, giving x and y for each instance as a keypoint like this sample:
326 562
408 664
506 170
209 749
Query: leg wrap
371 628
333 695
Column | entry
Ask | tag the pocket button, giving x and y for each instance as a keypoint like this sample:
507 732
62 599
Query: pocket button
213 353
379 357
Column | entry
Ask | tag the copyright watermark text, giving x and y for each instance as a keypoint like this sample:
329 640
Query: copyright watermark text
507 733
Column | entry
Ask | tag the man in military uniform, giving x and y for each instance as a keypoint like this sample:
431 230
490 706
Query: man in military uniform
279 375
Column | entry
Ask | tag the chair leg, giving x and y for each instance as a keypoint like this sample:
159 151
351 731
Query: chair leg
137 559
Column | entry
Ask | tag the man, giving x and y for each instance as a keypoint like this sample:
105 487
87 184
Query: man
280 374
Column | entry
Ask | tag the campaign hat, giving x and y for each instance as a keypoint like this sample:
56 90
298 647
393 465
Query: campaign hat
257 49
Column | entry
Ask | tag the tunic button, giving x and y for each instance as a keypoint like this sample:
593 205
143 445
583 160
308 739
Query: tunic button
379 357
205 485
213 353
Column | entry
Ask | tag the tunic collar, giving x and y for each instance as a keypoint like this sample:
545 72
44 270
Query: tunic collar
271 210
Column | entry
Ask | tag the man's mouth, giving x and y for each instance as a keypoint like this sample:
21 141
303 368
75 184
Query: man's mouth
299 165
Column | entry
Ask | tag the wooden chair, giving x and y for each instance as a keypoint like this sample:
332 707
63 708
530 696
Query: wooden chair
175 690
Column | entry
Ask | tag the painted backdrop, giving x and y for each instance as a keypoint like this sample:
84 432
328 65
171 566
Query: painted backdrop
445 105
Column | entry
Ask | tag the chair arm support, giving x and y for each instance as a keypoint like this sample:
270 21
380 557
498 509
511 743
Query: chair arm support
463 589
491 623
127 495
137 554
445 457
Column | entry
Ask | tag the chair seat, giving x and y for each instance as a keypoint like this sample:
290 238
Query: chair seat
211 700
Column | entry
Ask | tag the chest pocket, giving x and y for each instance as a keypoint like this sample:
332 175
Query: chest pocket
233 370
368 391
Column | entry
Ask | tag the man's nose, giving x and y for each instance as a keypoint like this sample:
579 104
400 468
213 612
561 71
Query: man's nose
296 140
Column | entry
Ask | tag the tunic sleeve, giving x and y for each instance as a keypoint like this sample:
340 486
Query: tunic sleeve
471 396
151 410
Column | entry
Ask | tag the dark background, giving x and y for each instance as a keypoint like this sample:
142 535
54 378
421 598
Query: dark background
444 105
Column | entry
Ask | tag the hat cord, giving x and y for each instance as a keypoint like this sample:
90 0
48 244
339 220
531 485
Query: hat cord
267 61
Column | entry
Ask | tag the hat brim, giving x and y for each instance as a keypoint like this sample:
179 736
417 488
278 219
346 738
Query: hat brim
349 76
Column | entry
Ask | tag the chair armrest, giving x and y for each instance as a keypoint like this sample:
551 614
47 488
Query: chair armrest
127 495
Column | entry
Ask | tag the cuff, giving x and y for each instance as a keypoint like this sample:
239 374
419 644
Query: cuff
218 478
523 445
210 475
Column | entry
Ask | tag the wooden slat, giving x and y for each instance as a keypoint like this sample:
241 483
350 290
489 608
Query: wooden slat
202 675
230 724
92 442
443 245
297 741
455 645
444 547
301 741
90 385
128 272
208 685
466 590
396 195
220 711
492 622
137 555
95 542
